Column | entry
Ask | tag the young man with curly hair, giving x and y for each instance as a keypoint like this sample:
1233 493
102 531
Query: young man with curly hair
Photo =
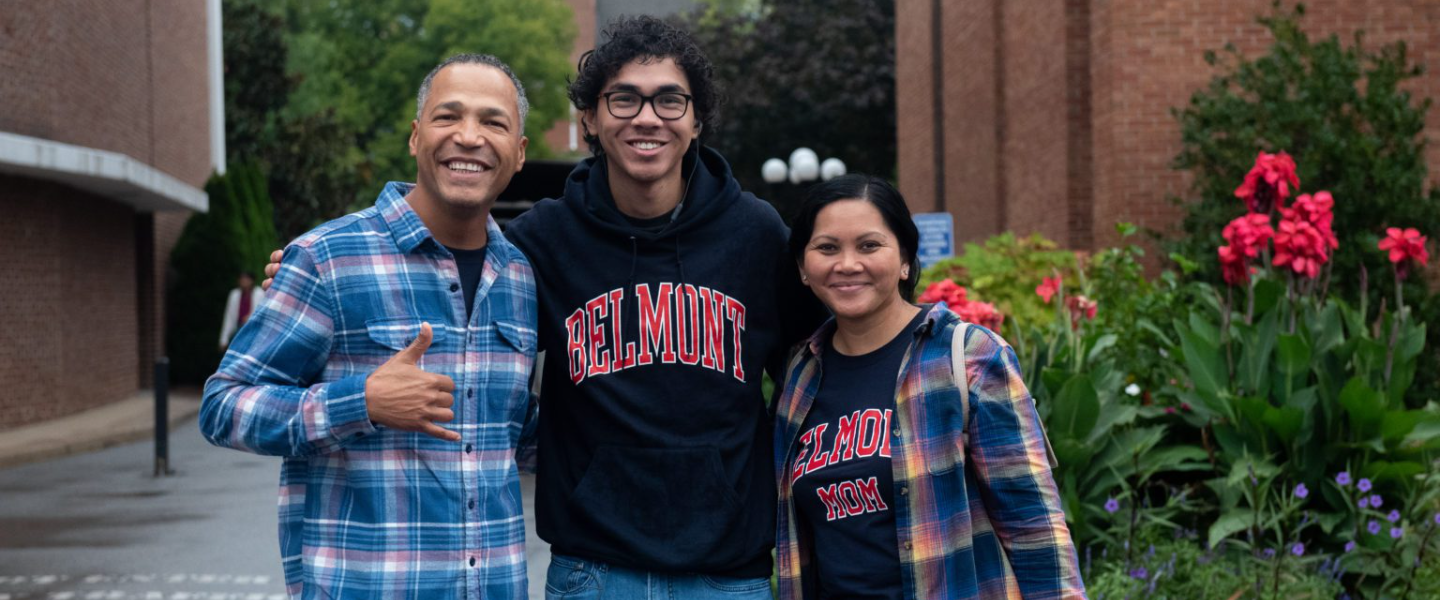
665 292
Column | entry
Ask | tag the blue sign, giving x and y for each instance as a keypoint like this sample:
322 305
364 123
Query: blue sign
937 237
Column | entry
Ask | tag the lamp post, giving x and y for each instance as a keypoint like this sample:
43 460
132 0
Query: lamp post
803 167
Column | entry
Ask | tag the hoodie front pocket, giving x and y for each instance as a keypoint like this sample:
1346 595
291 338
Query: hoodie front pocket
668 507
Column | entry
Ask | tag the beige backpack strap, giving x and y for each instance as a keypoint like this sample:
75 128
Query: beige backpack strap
962 380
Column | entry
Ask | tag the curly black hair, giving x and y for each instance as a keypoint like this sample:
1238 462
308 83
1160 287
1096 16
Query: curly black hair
645 38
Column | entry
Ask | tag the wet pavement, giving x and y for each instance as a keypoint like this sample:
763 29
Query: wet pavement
99 526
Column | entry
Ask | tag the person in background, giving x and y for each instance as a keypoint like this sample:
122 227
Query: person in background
901 476
241 303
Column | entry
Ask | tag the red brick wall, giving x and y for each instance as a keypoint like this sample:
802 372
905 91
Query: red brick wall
69 301
127 76
914 144
558 137
969 90
1084 133
1033 149
1152 59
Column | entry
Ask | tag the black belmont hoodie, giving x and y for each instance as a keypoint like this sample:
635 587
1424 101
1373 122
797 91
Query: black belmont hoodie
654 439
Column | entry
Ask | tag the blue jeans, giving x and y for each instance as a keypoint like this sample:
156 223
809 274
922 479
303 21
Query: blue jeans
575 579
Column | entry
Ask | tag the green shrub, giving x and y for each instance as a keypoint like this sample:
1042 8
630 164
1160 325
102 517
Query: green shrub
237 234
1004 271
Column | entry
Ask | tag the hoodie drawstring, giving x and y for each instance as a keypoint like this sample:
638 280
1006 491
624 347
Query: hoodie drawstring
634 256
678 262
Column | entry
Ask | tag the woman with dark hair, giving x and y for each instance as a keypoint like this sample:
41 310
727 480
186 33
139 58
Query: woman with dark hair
910 460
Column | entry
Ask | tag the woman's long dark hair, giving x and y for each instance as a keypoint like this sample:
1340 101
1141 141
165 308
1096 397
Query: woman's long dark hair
879 193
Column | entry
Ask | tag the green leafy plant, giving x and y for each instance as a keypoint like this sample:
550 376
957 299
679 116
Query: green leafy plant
1004 270
1175 567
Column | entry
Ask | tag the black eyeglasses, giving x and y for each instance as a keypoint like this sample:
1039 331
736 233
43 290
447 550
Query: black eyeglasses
667 105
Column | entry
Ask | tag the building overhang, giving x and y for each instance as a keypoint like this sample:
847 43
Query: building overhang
109 174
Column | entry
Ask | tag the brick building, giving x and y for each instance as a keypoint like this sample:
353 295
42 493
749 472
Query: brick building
110 123
1053 116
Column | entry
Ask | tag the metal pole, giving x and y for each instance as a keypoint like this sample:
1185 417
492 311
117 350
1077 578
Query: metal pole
162 416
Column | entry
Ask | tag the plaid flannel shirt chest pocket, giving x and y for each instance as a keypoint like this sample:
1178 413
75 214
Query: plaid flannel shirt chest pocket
393 334
942 439
513 356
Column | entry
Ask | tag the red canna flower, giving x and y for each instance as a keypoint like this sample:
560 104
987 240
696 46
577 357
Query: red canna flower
946 291
1270 181
972 311
1048 287
1233 266
1299 246
1249 234
1318 210
980 313
1081 308
1406 247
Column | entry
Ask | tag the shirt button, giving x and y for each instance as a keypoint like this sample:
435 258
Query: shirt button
472 561
907 547
454 287
468 448
470 393
472 505
904 491
896 431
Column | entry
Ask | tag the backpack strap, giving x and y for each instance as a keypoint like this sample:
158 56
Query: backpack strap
962 380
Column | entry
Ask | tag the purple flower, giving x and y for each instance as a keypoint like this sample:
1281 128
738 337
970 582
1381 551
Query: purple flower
1375 500
1364 502
1301 491
1269 553
1393 516
1140 573
1364 484
1343 478
1112 505
1350 546
1373 527
1437 518
1396 532
1298 549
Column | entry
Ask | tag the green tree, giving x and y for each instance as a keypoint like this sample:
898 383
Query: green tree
235 235
365 60
307 159
802 73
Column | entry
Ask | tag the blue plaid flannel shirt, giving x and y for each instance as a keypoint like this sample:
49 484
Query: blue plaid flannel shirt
367 511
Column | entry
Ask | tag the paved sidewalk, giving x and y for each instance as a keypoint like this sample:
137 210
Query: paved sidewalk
81 517
128 420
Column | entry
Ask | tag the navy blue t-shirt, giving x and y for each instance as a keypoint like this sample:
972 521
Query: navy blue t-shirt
472 267
843 483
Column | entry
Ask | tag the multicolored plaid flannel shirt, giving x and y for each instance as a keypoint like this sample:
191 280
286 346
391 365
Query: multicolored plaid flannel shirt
367 511
977 522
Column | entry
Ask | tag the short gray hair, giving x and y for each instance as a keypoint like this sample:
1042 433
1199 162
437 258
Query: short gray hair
475 59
